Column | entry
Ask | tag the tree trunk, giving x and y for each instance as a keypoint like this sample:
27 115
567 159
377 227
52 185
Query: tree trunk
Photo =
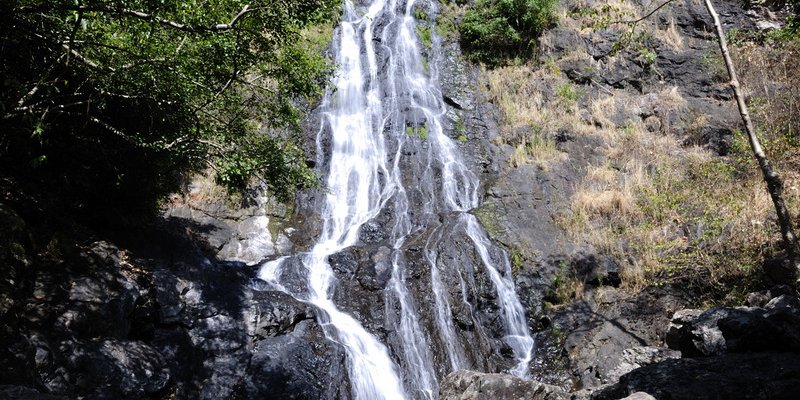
771 177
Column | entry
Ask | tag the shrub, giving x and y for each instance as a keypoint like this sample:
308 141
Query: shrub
495 31
105 105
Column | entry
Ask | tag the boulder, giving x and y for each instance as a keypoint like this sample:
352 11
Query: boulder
471 385
637 357
107 369
612 333
12 392
731 376
776 327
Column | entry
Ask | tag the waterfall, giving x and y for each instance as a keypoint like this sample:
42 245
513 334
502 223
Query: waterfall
387 147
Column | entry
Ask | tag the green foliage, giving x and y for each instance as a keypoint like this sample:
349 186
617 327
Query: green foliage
791 31
568 94
420 132
517 261
460 129
495 31
420 14
641 42
123 98
703 204
446 25
424 35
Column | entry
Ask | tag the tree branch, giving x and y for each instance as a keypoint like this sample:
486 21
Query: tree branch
636 21
771 177
152 18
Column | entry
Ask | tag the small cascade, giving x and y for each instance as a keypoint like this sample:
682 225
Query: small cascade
388 158
517 335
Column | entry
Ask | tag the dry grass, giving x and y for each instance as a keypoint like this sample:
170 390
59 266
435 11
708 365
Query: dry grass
608 203
528 120
666 209
668 212
516 91
770 77
670 36
202 189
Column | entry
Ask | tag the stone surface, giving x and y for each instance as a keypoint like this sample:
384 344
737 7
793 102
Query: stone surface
614 333
470 385
10 392
717 331
181 316
764 376
637 357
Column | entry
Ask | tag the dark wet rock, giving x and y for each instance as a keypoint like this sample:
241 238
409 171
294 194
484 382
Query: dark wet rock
621 73
100 303
455 83
299 365
275 313
358 293
717 331
780 271
107 369
372 232
344 263
15 249
11 392
375 272
731 376
761 298
471 385
580 71
637 357
601 331
594 270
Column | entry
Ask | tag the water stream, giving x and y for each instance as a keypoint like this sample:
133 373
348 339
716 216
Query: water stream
387 151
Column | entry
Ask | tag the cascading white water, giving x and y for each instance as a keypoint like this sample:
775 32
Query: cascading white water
517 335
369 107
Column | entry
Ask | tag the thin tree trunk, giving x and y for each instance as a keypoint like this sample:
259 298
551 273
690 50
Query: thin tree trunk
771 177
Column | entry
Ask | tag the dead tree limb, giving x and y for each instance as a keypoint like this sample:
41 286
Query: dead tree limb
771 177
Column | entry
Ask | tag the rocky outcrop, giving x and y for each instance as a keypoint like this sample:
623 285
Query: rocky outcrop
764 376
611 333
471 385
163 319
249 232
726 353
775 327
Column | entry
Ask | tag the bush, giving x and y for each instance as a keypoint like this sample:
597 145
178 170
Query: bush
108 105
495 31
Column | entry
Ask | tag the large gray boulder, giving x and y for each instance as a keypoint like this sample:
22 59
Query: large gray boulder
471 385
731 376
775 327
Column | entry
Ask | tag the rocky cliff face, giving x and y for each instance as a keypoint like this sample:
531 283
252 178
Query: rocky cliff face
164 318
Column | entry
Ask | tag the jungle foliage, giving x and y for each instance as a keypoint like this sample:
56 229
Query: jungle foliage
115 101
495 32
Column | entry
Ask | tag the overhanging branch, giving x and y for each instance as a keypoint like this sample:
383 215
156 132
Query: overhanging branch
152 18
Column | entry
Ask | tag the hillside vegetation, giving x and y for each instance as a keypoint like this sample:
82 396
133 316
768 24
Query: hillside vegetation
676 197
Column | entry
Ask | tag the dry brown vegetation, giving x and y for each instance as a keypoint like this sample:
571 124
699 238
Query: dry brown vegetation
668 210
529 117
676 213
